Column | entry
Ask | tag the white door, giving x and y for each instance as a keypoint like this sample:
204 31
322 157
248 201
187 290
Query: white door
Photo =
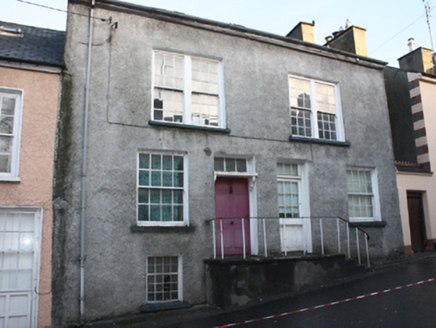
19 267
293 229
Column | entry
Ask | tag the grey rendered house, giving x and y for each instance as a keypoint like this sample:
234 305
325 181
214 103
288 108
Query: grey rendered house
170 121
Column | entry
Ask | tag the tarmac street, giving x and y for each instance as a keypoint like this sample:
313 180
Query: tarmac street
397 295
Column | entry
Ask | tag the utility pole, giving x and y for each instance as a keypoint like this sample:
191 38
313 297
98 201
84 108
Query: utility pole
427 13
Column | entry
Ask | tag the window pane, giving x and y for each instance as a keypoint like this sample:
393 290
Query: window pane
142 195
178 163
143 213
5 163
155 196
219 164
144 178
230 164
241 165
178 197
178 213
178 179
156 178
156 162
155 213
166 196
144 161
166 213
167 162
6 124
167 179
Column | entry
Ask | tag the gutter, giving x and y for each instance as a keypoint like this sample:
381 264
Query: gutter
84 167
234 30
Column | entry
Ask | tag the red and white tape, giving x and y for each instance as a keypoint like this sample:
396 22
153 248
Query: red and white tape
325 305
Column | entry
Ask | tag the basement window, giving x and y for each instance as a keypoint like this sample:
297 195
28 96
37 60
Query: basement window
163 279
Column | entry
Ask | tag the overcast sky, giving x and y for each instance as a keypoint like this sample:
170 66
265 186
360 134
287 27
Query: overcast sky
389 24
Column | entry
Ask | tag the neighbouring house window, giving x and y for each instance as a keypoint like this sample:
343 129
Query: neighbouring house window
288 190
222 164
163 276
10 126
161 189
362 195
315 110
187 90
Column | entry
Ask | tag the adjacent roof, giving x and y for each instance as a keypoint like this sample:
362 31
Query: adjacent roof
34 45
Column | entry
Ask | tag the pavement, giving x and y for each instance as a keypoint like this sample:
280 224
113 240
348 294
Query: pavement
199 313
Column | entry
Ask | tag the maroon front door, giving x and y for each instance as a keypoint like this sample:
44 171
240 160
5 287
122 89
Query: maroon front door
231 204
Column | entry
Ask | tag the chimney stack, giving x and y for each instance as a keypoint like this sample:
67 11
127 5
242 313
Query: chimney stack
303 31
419 60
353 40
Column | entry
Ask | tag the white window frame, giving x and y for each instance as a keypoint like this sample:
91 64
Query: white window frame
17 94
185 221
314 111
179 280
187 91
292 179
375 195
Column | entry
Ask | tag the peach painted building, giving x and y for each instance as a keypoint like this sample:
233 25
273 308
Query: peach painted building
30 71
411 92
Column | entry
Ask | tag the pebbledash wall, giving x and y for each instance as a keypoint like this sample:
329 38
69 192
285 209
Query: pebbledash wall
255 70
34 189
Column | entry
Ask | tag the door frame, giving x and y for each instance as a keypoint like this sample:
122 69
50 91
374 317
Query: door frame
304 204
38 212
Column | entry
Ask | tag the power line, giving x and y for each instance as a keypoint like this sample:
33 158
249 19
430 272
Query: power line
382 45
57 9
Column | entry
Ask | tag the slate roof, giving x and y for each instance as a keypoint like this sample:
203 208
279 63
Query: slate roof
33 45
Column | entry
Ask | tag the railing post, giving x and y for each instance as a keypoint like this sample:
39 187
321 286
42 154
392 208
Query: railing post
243 237
357 245
304 237
283 236
322 236
348 240
339 236
214 238
264 238
367 251
222 238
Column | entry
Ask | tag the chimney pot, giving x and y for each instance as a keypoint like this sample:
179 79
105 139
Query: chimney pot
411 44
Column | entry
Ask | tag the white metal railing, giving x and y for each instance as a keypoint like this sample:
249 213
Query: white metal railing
328 235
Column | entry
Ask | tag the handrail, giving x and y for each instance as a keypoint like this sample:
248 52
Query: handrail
338 219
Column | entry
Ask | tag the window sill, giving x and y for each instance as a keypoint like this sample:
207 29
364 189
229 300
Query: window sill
166 229
188 127
165 306
320 141
369 224
10 179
